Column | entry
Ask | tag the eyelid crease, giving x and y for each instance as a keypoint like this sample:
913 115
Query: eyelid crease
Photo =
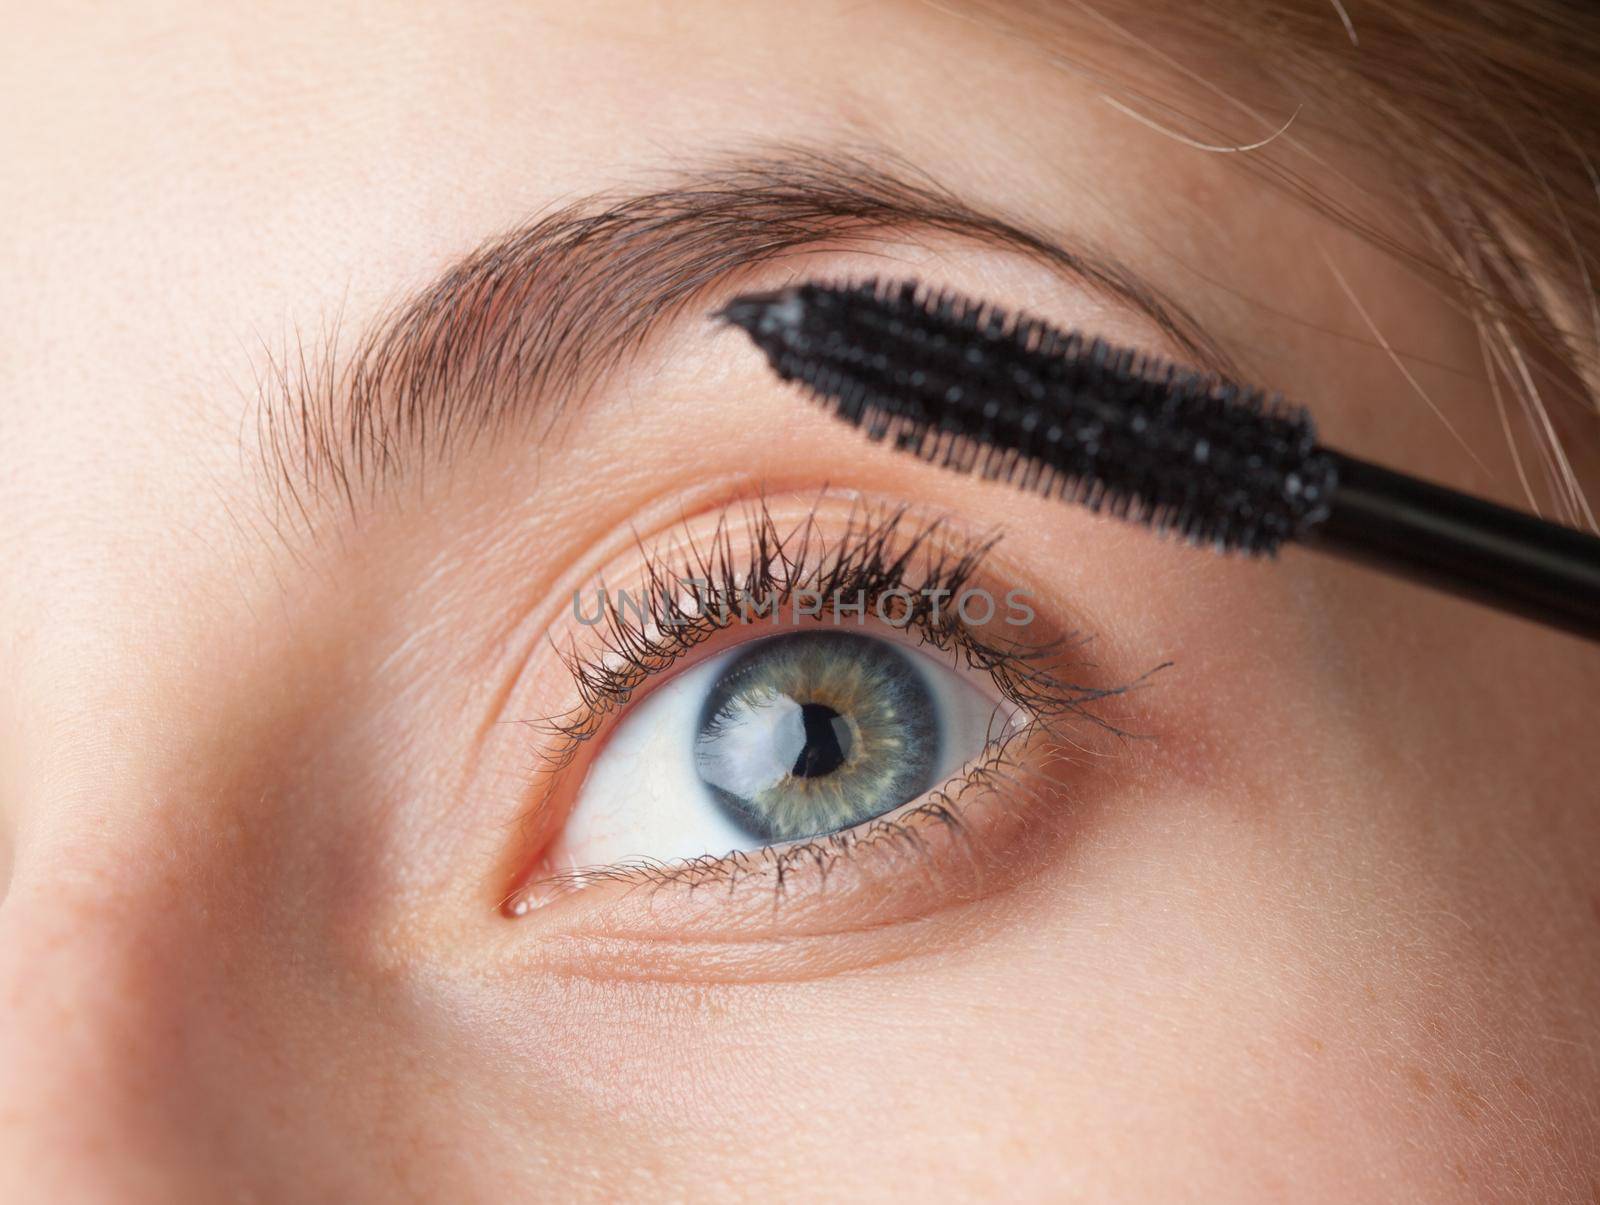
532 320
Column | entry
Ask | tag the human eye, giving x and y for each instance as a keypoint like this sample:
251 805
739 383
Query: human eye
837 721
780 739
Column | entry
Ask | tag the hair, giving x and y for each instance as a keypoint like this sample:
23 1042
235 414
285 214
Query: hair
1493 108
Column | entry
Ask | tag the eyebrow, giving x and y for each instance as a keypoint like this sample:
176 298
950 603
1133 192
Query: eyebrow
534 320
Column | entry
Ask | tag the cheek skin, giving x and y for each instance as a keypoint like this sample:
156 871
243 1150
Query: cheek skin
1051 1068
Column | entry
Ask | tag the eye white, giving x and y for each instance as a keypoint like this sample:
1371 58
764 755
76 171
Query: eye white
644 797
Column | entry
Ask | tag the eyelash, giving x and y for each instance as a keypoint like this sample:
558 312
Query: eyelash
882 553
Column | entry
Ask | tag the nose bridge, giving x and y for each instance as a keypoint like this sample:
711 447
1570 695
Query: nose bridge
109 973
174 1015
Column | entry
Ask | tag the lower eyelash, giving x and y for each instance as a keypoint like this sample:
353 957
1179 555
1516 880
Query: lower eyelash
901 830
1025 785
880 552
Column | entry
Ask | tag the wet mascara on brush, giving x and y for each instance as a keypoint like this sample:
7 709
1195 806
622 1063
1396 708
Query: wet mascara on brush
960 383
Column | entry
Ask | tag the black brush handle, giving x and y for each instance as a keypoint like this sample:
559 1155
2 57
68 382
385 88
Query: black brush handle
1462 544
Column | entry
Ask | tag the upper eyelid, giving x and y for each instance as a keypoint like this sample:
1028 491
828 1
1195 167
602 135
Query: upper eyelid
526 323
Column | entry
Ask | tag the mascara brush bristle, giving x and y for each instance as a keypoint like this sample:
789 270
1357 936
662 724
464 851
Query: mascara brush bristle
963 384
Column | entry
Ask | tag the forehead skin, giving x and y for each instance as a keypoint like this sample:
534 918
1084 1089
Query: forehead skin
1338 938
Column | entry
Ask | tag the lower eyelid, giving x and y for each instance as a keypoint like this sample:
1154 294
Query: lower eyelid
897 895
970 841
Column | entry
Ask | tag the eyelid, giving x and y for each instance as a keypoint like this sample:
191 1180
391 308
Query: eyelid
929 876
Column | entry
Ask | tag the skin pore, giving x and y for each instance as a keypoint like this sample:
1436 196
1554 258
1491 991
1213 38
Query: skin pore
269 751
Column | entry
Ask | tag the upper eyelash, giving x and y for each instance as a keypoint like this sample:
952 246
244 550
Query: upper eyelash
880 551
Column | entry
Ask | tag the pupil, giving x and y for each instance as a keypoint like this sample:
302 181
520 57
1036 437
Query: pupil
827 744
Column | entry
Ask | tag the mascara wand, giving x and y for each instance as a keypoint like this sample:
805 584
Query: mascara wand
962 384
